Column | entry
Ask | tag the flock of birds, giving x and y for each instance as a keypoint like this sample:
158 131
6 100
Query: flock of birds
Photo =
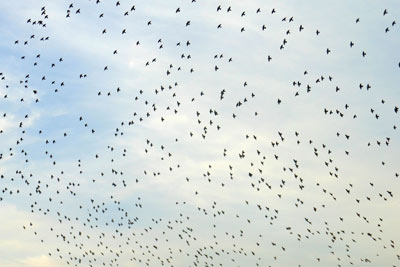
205 152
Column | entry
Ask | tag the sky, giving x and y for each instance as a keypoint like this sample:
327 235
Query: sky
199 133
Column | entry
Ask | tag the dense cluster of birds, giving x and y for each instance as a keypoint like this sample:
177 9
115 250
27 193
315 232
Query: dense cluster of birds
157 144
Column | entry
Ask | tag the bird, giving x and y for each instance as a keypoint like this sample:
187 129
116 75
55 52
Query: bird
203 144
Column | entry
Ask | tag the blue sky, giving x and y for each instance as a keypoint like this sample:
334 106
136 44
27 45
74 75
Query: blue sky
155 177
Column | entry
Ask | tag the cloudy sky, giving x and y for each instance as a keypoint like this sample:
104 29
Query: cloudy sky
199 133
